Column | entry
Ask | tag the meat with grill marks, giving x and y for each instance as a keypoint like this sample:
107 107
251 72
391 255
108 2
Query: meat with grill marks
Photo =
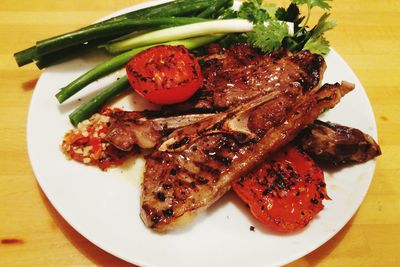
232 76
145 128
326 142
196 164
334 144
237 74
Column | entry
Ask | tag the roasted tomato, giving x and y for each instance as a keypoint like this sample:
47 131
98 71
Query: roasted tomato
165 74
286 192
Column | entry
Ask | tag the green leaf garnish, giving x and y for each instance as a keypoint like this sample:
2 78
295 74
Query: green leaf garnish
291 14
253 12
317 45
268 38
323 25
275 35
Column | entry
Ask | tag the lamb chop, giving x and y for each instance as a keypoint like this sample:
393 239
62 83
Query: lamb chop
145 128
237 74
334 144
196 164
328 143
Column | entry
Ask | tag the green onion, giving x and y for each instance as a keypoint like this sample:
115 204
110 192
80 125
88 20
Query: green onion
169 9
95 104
58 43
213 10
25 56
97 72
67 53
119 27
182 32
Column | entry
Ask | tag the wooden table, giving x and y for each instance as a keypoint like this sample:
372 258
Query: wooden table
32 233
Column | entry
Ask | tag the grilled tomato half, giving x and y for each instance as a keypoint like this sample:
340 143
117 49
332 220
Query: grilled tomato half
165 74
286 192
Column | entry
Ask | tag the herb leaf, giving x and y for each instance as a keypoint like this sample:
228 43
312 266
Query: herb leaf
317 45
253 12
323 25
291 14
317 42
270 33
268 38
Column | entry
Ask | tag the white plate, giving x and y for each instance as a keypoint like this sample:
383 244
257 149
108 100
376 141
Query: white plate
104 206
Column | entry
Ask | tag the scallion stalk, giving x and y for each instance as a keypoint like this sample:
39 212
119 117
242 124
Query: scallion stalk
213 9
169 9
92 106
25 56
183 32
114 28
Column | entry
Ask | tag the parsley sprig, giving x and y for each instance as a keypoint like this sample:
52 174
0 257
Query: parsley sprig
268 38
268 32
271 33
254 12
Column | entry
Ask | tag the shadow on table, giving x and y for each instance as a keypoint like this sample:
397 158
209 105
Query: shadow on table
98 256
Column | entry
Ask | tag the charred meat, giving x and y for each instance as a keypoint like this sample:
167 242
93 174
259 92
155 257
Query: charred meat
196 164
336 144
237 74
145 129
327 142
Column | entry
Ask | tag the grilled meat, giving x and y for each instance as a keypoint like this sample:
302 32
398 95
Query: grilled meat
237 74
196 164
326 142
144 128
128 129
336 144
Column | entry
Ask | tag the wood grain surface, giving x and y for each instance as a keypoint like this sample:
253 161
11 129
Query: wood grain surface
32 233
